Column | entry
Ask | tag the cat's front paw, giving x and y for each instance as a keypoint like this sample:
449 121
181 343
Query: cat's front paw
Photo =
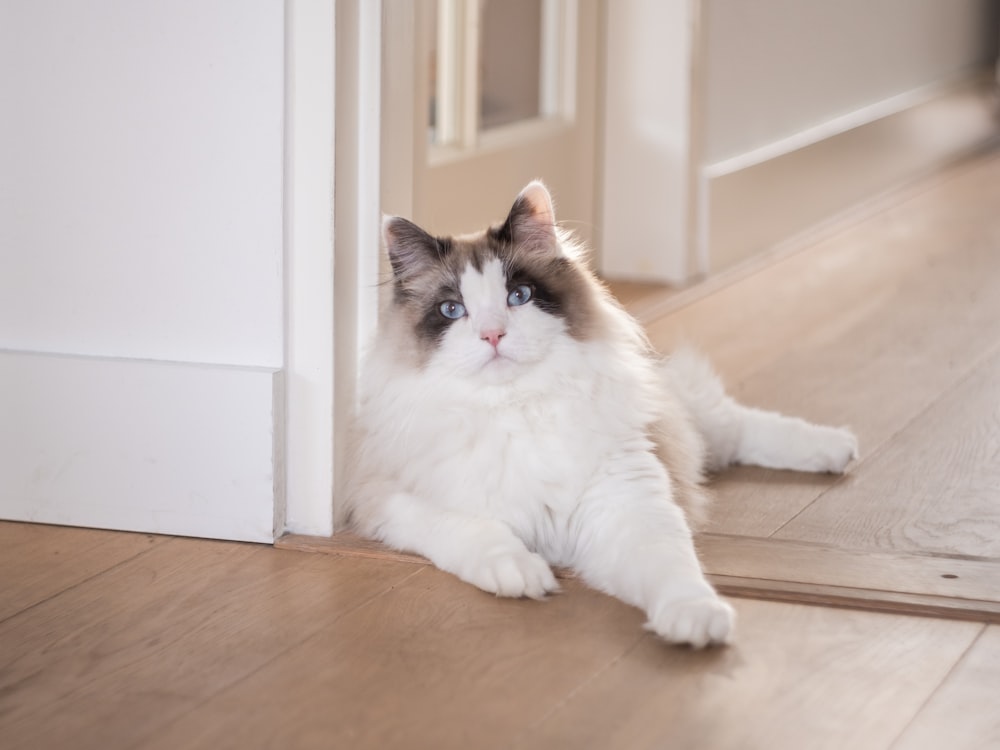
699 622
835 448
514 572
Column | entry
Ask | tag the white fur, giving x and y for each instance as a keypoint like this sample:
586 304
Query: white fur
496 463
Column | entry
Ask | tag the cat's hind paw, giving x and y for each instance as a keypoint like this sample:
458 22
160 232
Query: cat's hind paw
834 448
514 573
699 622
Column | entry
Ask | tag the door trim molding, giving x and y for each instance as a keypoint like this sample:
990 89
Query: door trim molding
333 77
307 452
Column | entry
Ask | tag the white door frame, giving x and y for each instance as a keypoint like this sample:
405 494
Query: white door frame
332 237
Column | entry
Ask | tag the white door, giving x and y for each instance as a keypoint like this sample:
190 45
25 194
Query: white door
503 92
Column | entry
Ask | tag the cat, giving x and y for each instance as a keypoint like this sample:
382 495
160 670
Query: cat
514 417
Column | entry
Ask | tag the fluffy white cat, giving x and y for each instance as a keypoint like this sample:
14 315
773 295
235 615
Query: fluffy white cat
513 417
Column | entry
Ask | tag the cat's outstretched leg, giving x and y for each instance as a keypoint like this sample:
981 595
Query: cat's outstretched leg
633 542
779 442
480 551
738 434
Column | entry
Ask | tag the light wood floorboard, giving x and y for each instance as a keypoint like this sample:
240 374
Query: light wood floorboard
962 714
119 655
436 664
38 562
202 644
794 680
915 583
935 487
877 378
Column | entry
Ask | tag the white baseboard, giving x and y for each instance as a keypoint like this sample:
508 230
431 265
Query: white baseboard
754 201
140 446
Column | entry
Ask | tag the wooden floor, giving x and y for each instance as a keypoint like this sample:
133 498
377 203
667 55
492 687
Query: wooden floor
890 324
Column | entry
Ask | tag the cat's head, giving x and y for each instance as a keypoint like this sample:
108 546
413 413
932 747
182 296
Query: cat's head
492 303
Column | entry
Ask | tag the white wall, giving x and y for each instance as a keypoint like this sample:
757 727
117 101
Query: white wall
141 224
141 179
774 68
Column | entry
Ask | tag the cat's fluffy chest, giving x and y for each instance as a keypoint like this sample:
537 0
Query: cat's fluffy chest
519 452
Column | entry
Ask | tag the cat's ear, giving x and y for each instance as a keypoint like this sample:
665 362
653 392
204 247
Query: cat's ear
411 250
531 224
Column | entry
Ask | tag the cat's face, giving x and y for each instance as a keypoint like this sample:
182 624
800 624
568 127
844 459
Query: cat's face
491 304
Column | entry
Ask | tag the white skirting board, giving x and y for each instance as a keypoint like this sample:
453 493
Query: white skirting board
757 200
136 445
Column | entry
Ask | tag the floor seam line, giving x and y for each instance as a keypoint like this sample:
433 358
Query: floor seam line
937 687
83 581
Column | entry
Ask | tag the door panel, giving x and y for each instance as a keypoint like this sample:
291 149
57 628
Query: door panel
465 174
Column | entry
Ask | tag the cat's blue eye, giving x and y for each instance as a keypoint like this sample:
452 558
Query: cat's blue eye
452 310
519 295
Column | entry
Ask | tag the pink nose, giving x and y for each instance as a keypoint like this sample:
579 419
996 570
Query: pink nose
493 337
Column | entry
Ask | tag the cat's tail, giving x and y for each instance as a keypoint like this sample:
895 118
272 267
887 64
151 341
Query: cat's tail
738 434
